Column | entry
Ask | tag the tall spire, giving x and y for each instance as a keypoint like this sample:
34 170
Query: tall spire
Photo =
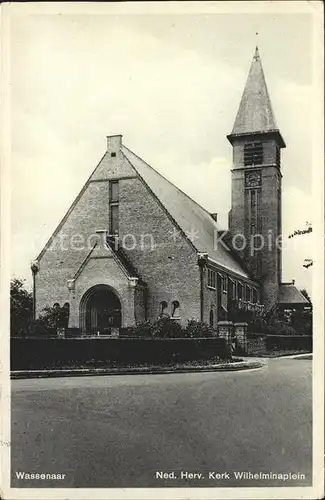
255 112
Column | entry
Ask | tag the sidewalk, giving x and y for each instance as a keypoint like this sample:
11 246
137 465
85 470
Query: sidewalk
247 364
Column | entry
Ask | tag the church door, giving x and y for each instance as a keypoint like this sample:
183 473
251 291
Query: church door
103 311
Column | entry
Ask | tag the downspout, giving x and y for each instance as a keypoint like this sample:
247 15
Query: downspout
201 294
202 260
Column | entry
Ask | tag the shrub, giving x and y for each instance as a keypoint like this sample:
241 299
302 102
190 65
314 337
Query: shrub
41 353
128 331
289 342
168 328
279 328
196 329
39 328
302 322
144 329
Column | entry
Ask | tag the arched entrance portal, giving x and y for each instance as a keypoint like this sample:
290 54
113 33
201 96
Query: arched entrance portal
100 310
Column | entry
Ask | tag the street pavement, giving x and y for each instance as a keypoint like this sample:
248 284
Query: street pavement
120 431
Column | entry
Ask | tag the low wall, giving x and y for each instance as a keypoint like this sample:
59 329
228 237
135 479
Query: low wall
289 342
263 344
37 353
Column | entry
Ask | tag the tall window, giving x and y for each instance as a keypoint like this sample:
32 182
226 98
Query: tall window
224 284
232 288
253 153
240 291
212 279
211 321
163 307
248 293
113 207
175 308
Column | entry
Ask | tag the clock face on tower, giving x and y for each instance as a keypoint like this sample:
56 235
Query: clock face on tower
253 179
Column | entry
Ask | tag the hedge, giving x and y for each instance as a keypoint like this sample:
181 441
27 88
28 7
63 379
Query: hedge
37 353
289 342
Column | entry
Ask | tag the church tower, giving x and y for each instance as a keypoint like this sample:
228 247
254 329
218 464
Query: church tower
255 216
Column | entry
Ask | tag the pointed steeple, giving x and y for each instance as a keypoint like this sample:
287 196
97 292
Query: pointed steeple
255 113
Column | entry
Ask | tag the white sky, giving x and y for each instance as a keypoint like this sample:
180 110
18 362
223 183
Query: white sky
171 84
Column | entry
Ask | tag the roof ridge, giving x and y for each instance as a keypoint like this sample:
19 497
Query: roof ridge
155 195
193 221
69 211
170 182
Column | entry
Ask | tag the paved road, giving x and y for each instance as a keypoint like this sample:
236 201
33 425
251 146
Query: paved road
118 431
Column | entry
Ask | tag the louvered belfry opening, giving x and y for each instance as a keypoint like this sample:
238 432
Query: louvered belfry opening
253 153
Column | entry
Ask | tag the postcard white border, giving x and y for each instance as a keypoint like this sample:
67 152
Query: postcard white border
50 8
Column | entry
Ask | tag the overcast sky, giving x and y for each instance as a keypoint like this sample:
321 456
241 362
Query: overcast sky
171 84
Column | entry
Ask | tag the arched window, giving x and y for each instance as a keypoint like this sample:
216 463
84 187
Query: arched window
56 306
211 318
175 307
163 307
65 314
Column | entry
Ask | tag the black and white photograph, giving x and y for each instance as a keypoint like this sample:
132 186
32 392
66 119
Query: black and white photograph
162 288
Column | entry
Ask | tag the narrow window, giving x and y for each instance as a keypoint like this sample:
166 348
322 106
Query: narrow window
247 293
175 307
114 192
113 154
114 219
254 295
225 284
212 279
65 314
114 207
163 307
232 288
211 318
240 291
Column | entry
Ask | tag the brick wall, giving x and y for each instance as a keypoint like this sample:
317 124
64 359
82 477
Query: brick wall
169 268
210 301
269 214
61 261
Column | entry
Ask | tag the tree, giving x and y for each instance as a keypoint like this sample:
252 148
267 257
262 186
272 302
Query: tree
21 307
306 295
54 317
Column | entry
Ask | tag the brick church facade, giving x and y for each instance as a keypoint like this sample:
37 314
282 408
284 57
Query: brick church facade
134 247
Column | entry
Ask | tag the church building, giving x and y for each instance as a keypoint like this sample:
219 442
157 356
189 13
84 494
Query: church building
134 247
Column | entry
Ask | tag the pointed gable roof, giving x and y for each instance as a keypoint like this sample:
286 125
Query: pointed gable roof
255 113
191 218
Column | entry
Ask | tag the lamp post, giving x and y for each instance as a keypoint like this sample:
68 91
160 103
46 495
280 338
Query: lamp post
35 268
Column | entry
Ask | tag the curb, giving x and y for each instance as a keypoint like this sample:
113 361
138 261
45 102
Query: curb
287 356
306 355
242 365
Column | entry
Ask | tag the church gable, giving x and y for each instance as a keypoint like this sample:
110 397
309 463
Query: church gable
76 234
116 200
113 164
